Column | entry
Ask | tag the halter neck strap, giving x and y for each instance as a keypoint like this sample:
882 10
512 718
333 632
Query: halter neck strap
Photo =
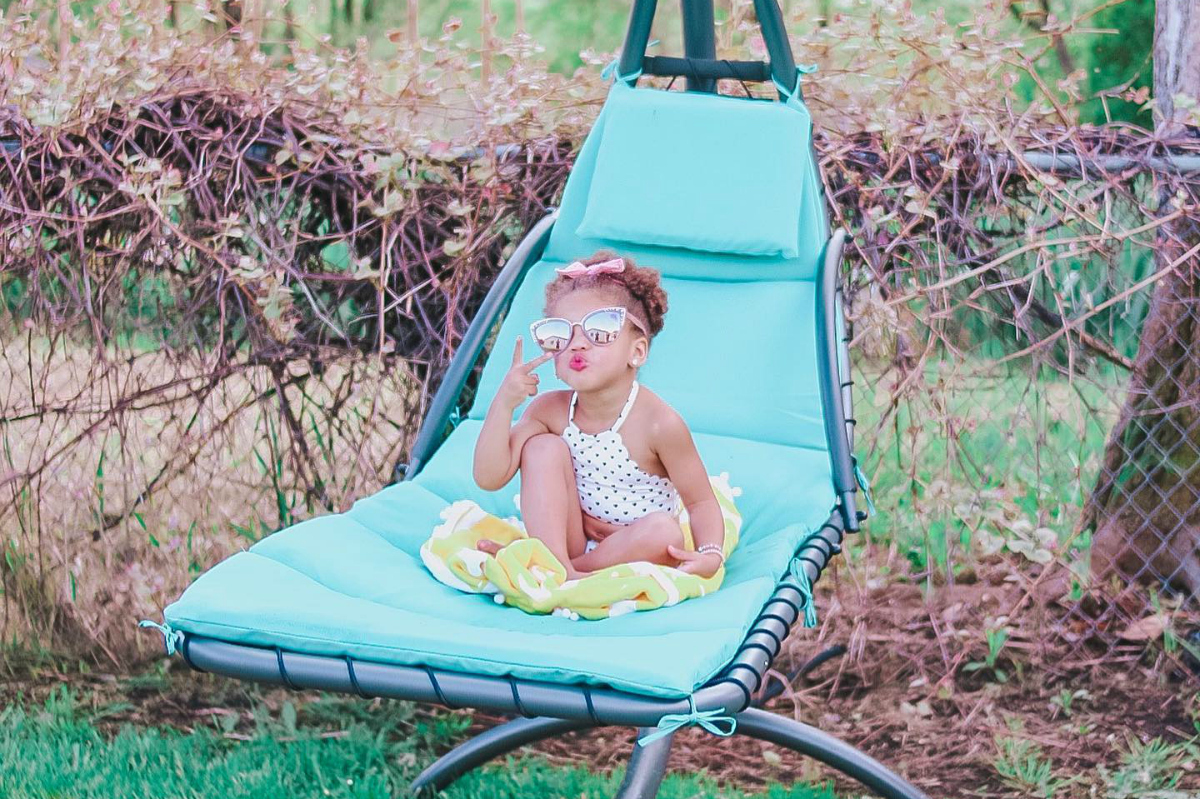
633 391
628 404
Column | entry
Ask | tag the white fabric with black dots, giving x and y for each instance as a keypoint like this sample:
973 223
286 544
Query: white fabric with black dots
611 486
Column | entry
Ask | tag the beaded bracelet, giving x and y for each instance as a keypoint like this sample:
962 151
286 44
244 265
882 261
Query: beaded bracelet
712 548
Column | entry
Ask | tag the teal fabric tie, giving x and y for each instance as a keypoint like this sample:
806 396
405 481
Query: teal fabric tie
611 68
708 719
801 70
864 485
796 567
171 637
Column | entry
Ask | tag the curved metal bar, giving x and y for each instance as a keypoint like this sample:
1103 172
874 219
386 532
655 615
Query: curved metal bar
433 429
847 377
646 768
821 746
749 666
830 381
497 741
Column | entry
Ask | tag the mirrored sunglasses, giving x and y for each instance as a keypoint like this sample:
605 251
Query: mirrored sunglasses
602 327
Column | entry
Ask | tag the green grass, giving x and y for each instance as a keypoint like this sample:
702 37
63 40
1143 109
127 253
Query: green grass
532 778
332 747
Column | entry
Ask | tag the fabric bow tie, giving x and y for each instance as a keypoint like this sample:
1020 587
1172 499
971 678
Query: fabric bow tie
710 720
578 269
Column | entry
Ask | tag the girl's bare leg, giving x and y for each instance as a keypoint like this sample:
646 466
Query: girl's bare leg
646 538
550 500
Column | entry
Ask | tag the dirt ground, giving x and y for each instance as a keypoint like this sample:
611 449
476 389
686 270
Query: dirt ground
901 691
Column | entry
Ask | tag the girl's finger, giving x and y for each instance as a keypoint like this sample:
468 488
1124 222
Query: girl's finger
517 354
538 361
680 554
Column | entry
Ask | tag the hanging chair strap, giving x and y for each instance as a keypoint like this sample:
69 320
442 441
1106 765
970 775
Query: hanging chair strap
171 637
864 484
801 71
710 720
796 567
611 68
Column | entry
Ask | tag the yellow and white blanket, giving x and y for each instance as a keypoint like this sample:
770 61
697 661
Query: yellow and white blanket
525 574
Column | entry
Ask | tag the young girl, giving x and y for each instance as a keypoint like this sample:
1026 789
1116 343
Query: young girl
603 465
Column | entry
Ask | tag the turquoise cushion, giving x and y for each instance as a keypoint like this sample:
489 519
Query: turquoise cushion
353 584
737 358
567 244
671 171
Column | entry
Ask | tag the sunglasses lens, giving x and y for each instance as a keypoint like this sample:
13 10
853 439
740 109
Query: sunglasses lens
603 326
552 334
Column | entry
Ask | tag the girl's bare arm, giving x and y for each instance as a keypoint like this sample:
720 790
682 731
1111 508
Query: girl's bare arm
677 451
498 448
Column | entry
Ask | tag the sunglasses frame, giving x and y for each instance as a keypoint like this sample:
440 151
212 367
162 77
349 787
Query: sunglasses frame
621 310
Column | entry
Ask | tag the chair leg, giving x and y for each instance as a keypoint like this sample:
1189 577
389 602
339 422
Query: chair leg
829 750
497 741
646 768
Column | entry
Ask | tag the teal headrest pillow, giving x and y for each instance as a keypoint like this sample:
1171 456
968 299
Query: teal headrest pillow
701 171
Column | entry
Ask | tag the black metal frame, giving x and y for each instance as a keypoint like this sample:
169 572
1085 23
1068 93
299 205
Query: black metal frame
548 709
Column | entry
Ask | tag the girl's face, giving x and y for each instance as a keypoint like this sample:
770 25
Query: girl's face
585 366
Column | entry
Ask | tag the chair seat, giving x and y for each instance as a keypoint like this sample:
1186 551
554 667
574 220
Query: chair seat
353 583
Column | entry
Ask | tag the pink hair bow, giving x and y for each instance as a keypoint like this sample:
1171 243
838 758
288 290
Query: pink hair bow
578 269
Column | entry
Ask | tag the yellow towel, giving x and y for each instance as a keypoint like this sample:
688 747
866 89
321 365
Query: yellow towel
527 575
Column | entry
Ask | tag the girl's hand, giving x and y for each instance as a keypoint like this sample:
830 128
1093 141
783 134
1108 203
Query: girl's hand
520 382
700 564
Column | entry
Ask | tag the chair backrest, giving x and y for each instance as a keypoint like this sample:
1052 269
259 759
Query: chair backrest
722 196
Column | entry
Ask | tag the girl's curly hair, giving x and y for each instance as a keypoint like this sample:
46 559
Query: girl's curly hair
641 286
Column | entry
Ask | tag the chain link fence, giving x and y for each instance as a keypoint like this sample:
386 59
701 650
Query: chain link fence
1027 379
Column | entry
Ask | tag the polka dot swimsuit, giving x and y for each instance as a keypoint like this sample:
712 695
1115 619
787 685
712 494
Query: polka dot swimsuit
611 486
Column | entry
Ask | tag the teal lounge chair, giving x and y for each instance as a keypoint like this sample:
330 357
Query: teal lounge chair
722 195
